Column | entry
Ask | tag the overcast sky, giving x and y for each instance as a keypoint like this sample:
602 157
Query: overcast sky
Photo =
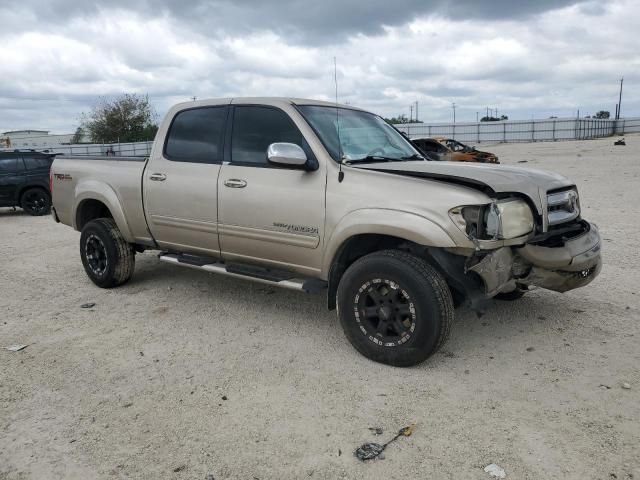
537 58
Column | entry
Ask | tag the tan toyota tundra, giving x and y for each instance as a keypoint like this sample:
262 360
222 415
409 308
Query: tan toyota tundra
315 196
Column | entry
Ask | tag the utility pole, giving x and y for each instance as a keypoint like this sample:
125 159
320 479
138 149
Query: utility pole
416 110
477 121
619 100
411 113
453 105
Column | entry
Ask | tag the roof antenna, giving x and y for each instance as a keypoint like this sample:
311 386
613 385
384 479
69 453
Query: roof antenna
341 155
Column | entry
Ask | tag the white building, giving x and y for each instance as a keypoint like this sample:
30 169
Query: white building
34 139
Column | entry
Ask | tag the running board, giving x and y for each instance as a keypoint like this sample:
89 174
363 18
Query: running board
277 278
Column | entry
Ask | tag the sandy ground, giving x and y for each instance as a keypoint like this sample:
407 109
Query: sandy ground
181 374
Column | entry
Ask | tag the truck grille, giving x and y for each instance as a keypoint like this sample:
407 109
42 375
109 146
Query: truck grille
562 207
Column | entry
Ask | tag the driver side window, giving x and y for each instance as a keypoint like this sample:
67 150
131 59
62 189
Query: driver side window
255 128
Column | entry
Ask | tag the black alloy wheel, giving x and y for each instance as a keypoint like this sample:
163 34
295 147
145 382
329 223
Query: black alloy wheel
36 201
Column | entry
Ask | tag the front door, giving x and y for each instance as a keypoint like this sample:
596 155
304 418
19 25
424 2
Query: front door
181 182
269 214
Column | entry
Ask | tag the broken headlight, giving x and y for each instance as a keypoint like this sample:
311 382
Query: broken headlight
500 220
507 219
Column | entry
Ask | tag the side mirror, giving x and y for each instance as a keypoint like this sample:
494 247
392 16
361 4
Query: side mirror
286 154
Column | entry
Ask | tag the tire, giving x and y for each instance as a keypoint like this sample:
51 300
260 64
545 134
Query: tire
106 256
516 294
394 308
36 201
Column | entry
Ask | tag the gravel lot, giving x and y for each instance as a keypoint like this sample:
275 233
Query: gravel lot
181 374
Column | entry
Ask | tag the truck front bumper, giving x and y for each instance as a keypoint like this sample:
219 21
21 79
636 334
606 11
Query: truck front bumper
573 263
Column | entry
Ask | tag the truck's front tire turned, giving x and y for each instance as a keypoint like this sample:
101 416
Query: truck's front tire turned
394 307
107 257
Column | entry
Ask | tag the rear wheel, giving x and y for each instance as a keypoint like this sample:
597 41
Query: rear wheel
36 201
394 307
106 256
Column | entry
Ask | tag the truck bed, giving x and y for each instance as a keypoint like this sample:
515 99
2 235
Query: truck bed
117 180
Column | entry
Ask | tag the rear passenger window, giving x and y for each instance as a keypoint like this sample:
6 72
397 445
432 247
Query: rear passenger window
196 135
255 128
8 165
34 163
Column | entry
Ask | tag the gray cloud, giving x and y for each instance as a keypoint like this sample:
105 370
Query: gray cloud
541 58
327 21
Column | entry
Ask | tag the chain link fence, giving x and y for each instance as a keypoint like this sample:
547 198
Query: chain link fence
132 149
493 132
552 129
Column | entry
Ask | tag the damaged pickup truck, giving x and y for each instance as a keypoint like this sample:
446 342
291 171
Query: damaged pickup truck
314 196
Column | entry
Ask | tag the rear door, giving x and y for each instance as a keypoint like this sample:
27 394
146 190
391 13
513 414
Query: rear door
269 214
37 169
180 181
11 178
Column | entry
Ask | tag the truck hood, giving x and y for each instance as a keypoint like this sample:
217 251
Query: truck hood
496 181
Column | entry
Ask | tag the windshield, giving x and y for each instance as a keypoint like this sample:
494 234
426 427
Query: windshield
363 136
457 146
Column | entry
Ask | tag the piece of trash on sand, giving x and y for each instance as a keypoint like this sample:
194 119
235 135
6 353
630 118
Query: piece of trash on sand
626 386
376 430
495 470
369 451
88 305
16 348
620 142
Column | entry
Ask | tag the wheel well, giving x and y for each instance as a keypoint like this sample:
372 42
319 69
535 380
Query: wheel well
466 286
355 247
90 210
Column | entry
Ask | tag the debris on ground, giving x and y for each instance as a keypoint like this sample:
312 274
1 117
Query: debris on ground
620 142
376 430
16 348
369 451
523 161
605 387
209 477
180 468
495 471
88 305
626 386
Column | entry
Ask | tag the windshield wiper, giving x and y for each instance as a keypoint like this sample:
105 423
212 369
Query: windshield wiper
372 159
415 156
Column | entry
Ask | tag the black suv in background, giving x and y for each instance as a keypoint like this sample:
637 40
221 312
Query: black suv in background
24 181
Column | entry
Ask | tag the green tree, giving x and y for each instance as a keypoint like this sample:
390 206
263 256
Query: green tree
494 119
128 118
400 119
78 137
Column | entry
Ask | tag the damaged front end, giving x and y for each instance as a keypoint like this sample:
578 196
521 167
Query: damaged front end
512 253
559 261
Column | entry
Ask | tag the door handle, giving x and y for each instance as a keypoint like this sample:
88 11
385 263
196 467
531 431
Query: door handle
235 183
158 177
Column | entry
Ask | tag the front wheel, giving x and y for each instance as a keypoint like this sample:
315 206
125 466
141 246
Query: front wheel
394 307
107 257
